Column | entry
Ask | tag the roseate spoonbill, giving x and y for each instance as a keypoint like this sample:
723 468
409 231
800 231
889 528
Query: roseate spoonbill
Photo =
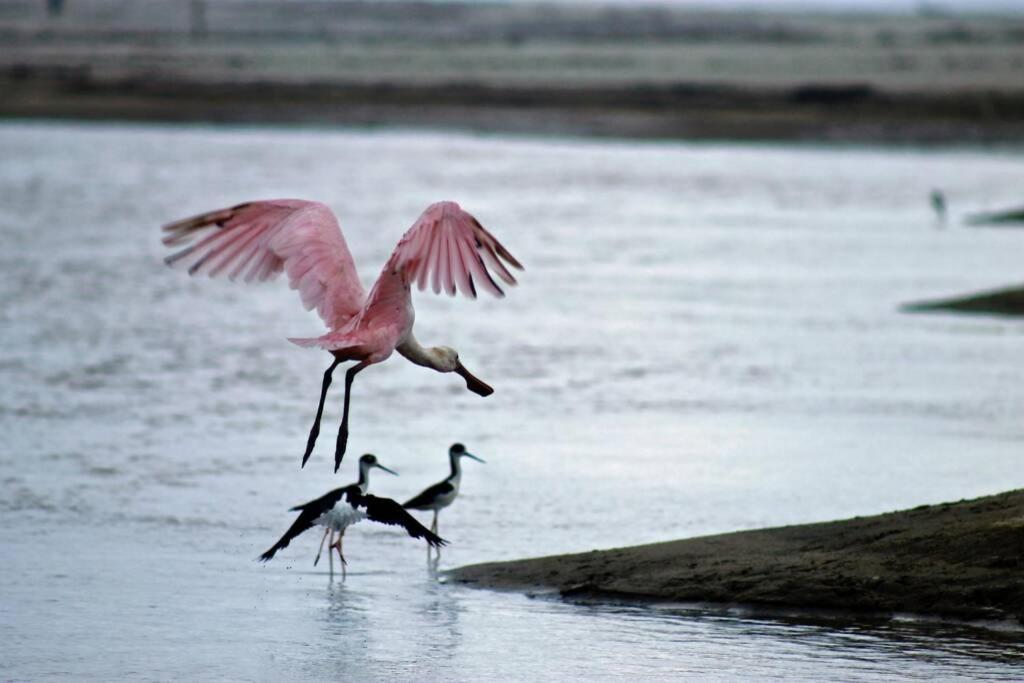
443 493
341 508
446 246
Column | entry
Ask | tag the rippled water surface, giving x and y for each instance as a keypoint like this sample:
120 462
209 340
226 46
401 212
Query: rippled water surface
707 338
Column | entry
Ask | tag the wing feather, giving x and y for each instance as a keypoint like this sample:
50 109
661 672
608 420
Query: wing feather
244 249
264 267
447 281
388 511
463 275
259 240
495 264
446 248
478 270
426 497
435 263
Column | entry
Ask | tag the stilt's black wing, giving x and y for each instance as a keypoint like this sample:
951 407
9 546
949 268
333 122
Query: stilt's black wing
309 513
429 495
388 511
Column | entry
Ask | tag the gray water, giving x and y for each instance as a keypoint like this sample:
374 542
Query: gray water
706 338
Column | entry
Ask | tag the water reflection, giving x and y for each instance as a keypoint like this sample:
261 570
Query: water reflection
347 634
865 643
440 632
345 608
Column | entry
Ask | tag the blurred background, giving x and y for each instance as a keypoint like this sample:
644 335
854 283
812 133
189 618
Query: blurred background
844 70
729 213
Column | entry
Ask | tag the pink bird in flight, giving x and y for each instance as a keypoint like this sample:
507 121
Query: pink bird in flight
446 247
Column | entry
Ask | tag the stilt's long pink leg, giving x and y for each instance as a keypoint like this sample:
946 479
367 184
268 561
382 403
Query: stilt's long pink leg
344 564
330 556
433 527
321 548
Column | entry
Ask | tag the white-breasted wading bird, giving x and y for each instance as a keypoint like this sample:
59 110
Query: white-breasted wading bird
341 508
443 493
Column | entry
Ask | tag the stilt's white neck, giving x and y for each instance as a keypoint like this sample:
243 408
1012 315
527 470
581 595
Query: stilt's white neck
364 478
456 467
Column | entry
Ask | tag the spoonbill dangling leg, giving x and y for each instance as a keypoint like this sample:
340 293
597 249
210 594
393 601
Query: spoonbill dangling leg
258 240
339 449
315 431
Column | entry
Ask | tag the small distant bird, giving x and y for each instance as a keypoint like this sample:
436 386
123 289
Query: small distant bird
443 493
341 508
938 199
258 240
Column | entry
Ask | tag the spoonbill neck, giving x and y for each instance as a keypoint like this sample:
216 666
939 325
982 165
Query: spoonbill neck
422 355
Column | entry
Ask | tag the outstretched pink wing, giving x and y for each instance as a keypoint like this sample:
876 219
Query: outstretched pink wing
257 240
450 249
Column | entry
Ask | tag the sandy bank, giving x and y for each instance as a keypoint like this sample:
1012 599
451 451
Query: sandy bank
1011 218
961 560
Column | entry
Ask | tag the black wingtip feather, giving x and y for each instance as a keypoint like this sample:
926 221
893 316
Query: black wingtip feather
434 541
269 555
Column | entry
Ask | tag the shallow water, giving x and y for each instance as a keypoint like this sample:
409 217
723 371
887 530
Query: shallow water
707 338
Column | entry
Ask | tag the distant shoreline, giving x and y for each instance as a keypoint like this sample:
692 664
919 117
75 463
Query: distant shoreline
629 71
698 111
960 560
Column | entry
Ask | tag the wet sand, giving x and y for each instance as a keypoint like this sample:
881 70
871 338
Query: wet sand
961 560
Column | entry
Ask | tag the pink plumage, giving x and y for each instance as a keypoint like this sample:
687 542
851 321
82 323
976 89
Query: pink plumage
446 248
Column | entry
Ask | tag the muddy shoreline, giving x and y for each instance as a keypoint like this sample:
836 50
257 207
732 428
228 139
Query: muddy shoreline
1002 302
840 113
962 560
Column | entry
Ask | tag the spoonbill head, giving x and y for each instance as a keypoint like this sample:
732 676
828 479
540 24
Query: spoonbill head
446 359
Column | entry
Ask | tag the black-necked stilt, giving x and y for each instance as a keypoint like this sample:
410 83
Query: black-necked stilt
341 508
443 493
